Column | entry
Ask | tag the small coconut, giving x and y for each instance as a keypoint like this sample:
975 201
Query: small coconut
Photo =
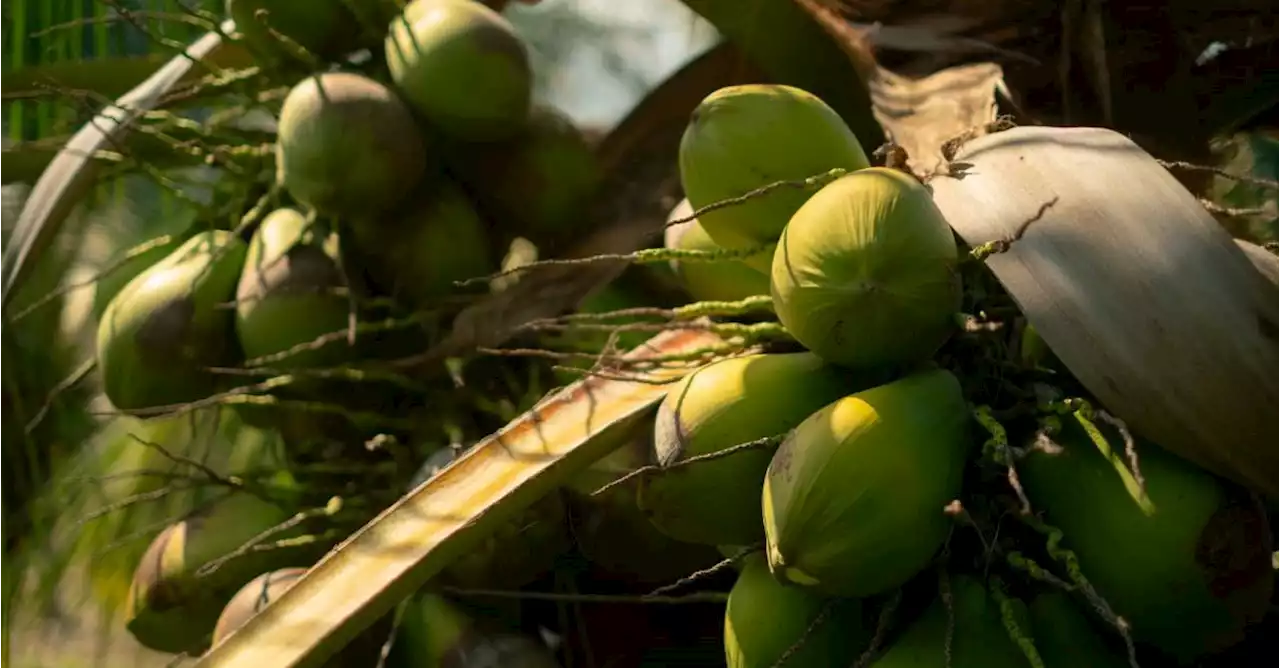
865 273
435 241
741 138
973 623
161 333
727 280
462 66
348 145
539 183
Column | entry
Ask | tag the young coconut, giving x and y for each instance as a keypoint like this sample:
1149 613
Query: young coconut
173 608
978 637
435 632
1185 565
322 27
741 138
764 618
289 293
1065 638
726 280
719 406
462 66
107 287
348 145
259 592
853 501
539 183
865 273
161 333
438 240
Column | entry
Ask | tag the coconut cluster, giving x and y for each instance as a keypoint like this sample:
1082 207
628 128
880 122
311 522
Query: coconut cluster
409 157
846 467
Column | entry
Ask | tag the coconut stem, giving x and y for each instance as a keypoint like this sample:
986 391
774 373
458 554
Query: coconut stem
1011 625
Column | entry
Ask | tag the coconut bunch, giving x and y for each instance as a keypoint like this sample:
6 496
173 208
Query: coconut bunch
899 481
408 158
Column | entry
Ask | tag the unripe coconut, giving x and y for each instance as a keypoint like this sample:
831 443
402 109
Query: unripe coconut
268 587
107 287
172 609
162 332
418 253
978 637
289 292
741 138
435 632
348 145
1188 566
727 280
764 618
854 498
1065 638
613 534
538 183
865 273
719 406
322 27
463 67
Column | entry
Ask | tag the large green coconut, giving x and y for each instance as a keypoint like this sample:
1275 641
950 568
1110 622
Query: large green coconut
173 609
1186 565
865 273
1065 638
290 293
764 618
741 138
719 406
978 637
322 27
854 498
348 145
462 66
727 280
418 253
162 332
539 184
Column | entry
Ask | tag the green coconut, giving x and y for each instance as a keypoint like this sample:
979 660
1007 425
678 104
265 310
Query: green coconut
1186 564
1065 638
290 293
348 145
865 273
170 607
853 501
322 27
463 67
417 253
434 631
615 536
161 333
719 406
108 286
728 280
537 184
741 138
978 637
764 618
